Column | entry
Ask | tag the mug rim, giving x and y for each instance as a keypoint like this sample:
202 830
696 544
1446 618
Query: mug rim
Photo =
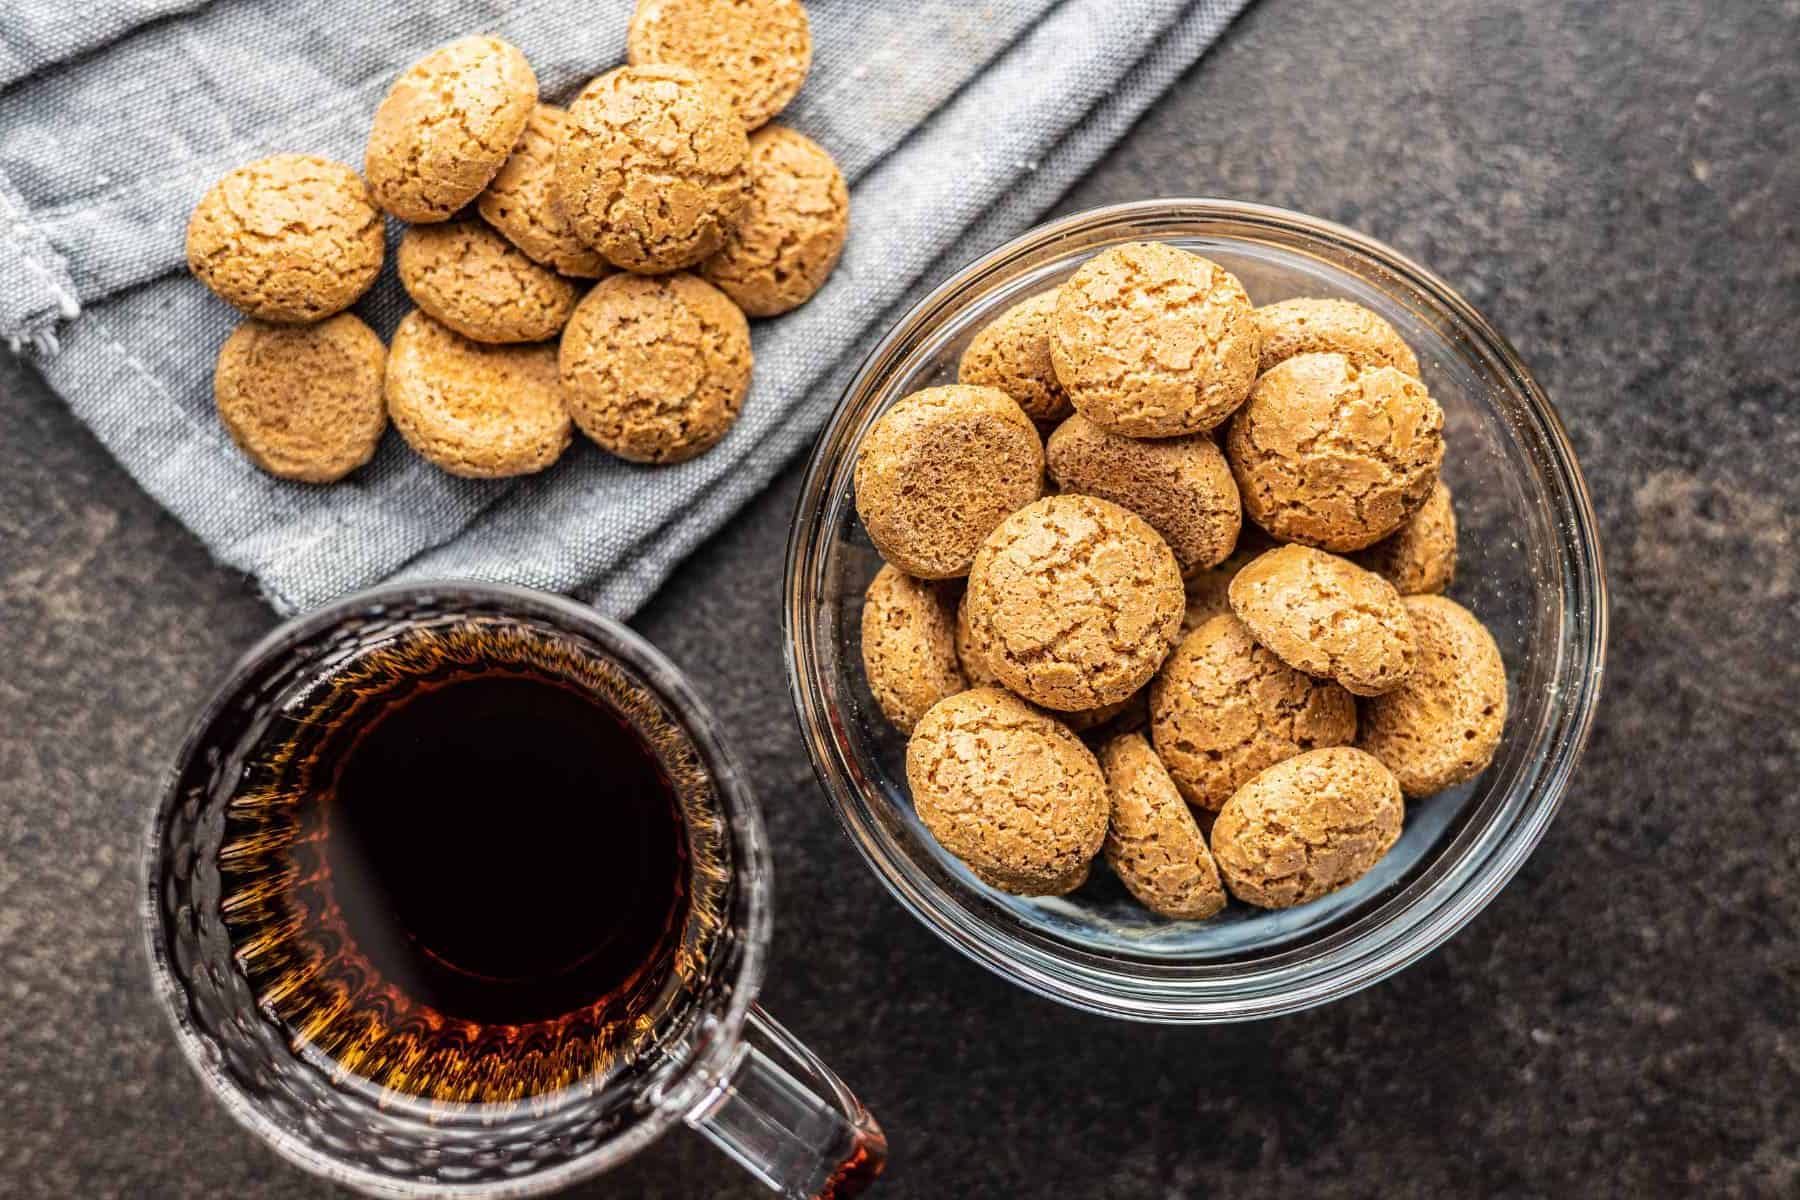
717 1038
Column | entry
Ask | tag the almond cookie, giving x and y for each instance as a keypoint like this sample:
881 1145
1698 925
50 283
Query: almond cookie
1306 827
792 231
653 169
971 653
447 126
303 402
1328 617
908 646
1182 485
1208 590
940 470
1315 326
475 410
1012 353
1224 708
1420 556
757 51
1335 455
1009 791
1077 602
521 202
289 238
1152 842
470 278
656 369
1151 341
1442 726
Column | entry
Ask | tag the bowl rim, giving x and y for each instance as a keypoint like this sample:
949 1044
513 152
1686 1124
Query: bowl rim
1461 889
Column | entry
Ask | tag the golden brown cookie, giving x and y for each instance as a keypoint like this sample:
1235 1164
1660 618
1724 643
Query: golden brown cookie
1316 326
303 401
653 169
475 410
1009 791
289 238
909 646
1153 843
1181 485
1076 601
1012 353
1151 341
1328 617
446 127
1224 708
1335 455
1208 591
971 653
521 202
470 278
757 51
1306 827
1442 726
939 470
791 233
1420 556
656 369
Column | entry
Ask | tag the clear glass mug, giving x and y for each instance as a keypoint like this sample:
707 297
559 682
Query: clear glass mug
1529 567
724 1067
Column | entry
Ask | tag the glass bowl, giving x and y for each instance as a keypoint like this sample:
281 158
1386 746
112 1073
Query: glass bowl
1529 567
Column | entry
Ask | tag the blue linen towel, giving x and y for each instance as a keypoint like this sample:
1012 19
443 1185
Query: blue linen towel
956 123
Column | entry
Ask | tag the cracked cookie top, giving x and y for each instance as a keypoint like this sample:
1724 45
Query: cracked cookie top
1151 341
971 652
1311 326
653 169
1012 353
303 401
787 241
1009 791
1326 616
655 369
1077 601
909 646
446 127
522 204
1420 556
1335 455
470 278
1208 591
1153 844
757 51
289 238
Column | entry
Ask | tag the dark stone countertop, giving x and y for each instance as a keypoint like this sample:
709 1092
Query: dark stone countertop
1617 187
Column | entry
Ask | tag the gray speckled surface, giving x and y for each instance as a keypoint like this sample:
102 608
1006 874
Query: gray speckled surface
1615 186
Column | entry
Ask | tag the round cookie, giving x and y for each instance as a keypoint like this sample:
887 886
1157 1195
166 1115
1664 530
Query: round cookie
655 369
1208 591
1314 326
303 402
1012 353
1182 485
653 169
446 127
1009 791
521 202
1077 602
792 231
1306 827
1328 617
474 410
940 470
1153 843
757 51
289 238
971 652
468 277
1151 341
1442 726
1224 708
908 646
1335 455
1420 556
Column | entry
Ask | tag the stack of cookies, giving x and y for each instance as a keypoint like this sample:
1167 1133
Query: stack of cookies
662 181
1215 653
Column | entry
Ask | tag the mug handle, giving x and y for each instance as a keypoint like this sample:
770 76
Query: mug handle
782 1115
